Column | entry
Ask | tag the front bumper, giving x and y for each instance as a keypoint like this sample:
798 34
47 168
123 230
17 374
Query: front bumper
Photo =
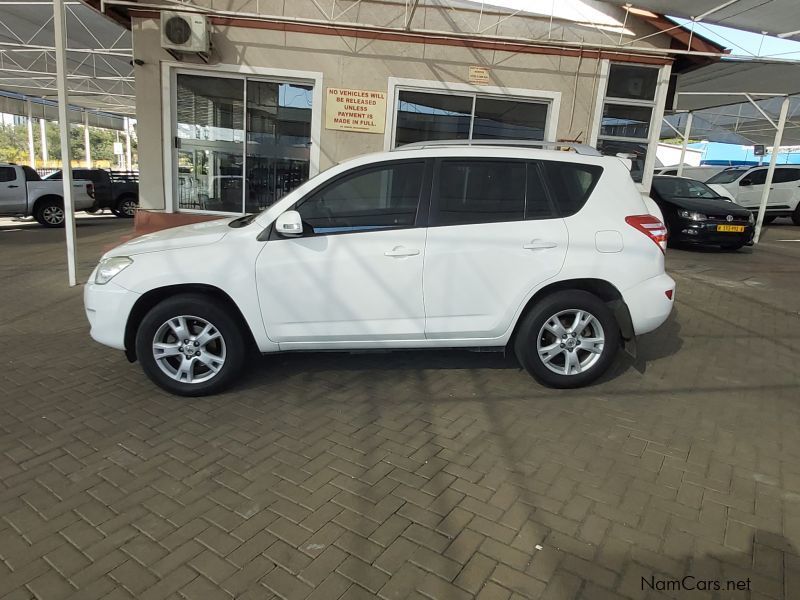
705 232
107 308
650 302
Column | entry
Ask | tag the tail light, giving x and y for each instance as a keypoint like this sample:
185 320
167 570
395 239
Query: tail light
90 189
652 227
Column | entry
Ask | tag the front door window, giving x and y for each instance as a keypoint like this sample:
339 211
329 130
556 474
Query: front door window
383 197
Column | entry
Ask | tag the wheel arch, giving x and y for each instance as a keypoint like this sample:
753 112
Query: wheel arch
44 198
126 196
151 298
606 291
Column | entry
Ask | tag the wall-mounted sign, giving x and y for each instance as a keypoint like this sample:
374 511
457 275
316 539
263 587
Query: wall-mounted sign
118 148
759 150
478 75
355 110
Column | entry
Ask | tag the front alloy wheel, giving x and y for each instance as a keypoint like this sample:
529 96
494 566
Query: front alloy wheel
189 349
567 339
190 344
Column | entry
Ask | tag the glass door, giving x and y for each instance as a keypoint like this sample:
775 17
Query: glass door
210 140
278 140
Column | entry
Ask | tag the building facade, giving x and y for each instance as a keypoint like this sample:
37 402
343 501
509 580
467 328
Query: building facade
286 93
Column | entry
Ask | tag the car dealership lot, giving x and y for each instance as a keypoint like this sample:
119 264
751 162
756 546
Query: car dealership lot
432 474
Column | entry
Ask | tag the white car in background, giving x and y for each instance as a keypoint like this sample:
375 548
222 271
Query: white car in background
699 173
746 186
554 255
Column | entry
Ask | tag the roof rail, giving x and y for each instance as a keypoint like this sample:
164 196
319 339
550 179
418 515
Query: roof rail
569 146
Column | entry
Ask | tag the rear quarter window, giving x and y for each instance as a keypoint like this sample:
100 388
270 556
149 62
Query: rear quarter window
30 174
571 184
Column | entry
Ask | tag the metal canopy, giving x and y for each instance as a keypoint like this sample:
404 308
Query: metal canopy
775 17
99 73
739 100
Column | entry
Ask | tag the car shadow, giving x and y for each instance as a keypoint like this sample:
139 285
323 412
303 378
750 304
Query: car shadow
272 369
651 347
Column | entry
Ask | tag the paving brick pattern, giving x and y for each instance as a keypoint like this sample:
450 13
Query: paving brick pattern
438 475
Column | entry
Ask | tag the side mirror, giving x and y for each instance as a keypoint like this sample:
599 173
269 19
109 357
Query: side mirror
289 224
745 182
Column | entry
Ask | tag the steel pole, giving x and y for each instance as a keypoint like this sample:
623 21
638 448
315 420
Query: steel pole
31 148
87 150
686 132
43 134
773 160
60 23
128 161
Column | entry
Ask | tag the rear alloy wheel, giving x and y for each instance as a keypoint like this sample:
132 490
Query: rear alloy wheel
188 345
126 208
50 213
568 340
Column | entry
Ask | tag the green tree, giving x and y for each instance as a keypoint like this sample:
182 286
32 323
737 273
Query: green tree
14 143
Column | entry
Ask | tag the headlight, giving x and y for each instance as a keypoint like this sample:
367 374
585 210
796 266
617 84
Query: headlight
692 215
751 219
110 268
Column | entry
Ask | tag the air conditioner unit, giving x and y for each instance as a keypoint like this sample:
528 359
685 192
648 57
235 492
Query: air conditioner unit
184 32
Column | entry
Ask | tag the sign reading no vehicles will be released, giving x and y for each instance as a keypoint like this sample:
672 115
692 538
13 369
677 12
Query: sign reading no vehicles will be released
355 110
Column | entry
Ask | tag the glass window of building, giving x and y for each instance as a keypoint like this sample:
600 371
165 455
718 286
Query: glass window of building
628 113
424 116
242 143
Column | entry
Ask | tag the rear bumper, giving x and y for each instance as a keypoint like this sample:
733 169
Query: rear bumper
107 309
648 303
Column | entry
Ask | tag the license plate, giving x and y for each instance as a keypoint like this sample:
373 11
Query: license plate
731 228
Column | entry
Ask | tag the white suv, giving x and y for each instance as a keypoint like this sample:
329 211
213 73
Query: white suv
553 254
746 186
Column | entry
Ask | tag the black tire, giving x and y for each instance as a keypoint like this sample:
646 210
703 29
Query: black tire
202 308
50 212
525 343
767 219
796 215
126 207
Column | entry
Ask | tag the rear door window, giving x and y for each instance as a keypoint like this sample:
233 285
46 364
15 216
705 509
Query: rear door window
786 175
30 174
7 174
571 184
479 191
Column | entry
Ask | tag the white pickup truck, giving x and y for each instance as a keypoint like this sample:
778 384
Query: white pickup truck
23 193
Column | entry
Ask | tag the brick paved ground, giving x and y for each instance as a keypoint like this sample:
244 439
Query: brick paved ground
440 475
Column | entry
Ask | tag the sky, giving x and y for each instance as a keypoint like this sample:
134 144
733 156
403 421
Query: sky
745 43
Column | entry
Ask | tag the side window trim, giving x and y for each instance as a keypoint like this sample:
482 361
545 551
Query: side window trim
423 201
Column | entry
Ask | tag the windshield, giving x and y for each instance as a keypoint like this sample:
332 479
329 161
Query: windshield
727 176
677 187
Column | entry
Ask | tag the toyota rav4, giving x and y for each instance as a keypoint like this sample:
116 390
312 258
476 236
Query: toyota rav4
554 255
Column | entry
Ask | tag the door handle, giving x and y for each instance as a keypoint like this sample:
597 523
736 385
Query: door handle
401 251
13 186
539 245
